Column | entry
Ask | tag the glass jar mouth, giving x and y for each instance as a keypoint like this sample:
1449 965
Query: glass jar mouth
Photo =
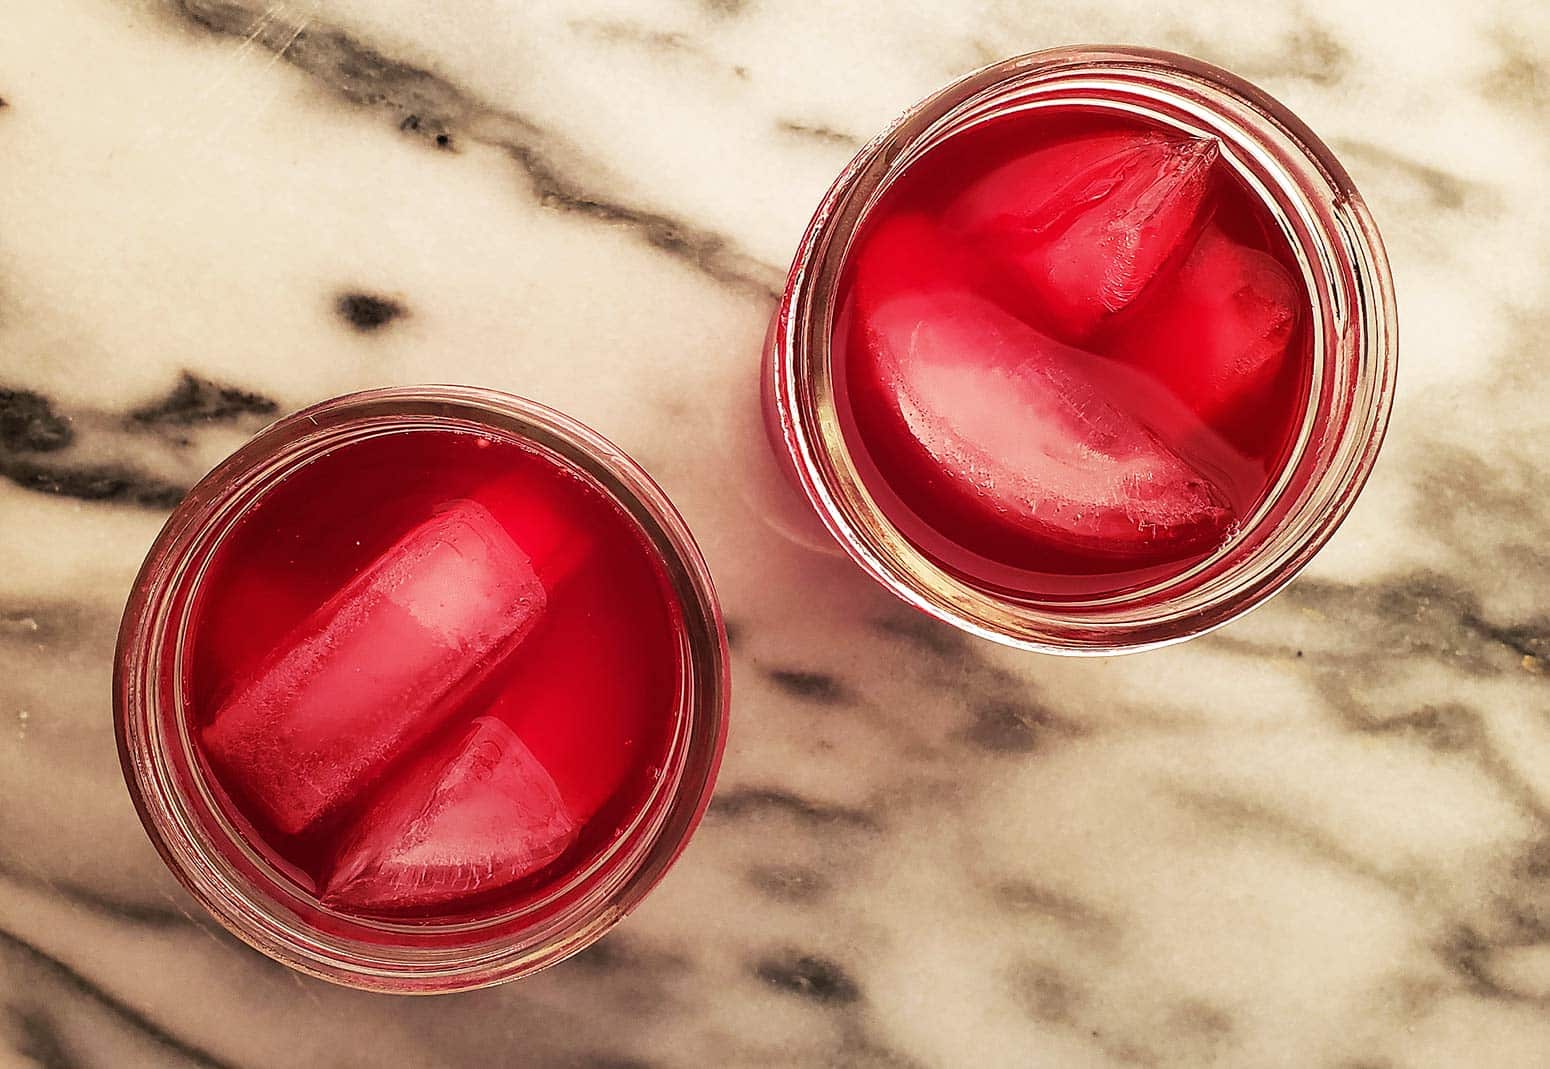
1354 331
243 890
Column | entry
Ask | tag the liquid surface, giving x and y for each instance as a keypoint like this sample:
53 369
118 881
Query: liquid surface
433 673
1071 352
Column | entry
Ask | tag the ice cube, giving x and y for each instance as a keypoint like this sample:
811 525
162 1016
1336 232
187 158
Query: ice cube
376 667
1088 223
993 422
476 821
1217 332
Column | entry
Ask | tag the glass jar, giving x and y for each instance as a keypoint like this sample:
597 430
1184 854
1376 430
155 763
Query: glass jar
173 789
1336 245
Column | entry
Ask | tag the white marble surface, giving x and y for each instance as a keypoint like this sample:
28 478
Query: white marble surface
1319 838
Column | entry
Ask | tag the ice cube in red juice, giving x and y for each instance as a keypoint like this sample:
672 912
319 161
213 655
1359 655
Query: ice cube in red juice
1217 331
1087 223
377 667
461 822
592 690
997 433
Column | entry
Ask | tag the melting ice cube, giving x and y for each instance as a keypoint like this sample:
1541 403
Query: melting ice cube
1216 332
1004 425
1089 223
376 667
476 821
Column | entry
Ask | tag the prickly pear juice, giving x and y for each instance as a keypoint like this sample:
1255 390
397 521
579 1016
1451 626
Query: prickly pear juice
434 674
1071 352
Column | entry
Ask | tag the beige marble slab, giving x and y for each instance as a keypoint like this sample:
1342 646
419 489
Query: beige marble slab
1318 838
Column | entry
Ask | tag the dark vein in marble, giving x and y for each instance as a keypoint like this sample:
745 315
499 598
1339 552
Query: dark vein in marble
1466 953
1045 993
920 630
1248 817
1531 639
1055 998
435 110
809 976
1025 898
1521 78
132 913
1016 727
1005 713
1456 729
1511 910
367 313
817 687
122 1010
1444 190
62 623
634 33
602 956
1447 728
625 978
1518 911
609 1061
788 883
421 103
1423 614
1194 1032
1201 1020
859 1051
41 1041
35 440
29 424
410 124
95 901
742 802
1307 51
818 132
197 400
622 952
1389 625
1317 55
92 482
1534 864
709 252
20 624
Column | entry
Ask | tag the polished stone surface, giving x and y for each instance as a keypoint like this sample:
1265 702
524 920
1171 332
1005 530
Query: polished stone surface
1318 838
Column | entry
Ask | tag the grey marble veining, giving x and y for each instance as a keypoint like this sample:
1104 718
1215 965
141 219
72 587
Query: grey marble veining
1318 838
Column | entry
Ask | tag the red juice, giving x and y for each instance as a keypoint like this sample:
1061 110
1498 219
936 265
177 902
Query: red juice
1071 352
434 673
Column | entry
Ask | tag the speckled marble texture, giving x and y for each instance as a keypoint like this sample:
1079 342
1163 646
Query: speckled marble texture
1319 838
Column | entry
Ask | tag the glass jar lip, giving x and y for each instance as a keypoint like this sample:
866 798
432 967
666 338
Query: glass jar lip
216 883
810 433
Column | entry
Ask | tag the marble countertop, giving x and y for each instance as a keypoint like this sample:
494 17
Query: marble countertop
1318 838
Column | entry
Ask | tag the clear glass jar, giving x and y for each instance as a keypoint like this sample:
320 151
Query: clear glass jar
1353 319
173 792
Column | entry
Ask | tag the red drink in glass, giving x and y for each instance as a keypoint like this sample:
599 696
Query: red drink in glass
459 575
1069 355
422 689
1089 352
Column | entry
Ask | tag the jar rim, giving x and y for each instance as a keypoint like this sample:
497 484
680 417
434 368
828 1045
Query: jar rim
248 907
1349 249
